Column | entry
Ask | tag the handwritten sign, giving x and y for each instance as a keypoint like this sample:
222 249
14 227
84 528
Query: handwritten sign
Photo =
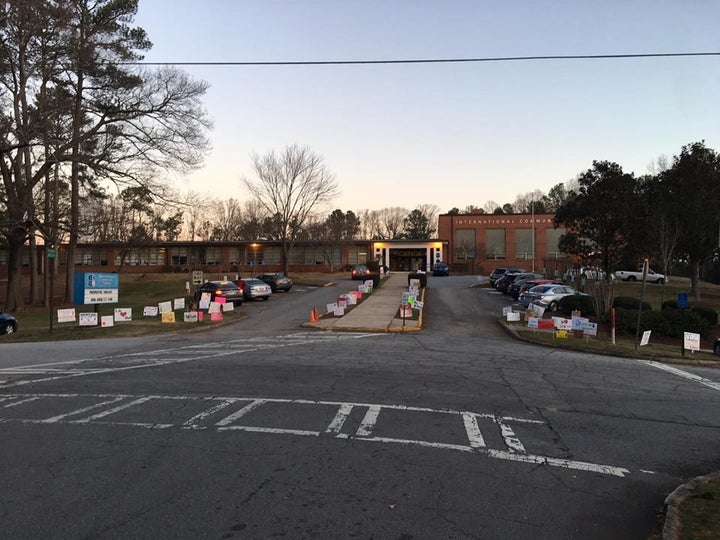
106 321
190 316
165 307
178 303
692 341
150 311
66 315
122 314
513 316
88 319
168 317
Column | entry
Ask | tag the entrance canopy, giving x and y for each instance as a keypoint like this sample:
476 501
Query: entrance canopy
408 255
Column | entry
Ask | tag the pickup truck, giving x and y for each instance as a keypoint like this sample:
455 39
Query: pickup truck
652 276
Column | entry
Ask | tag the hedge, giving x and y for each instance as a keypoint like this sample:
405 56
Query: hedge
577 302
665 323
625 302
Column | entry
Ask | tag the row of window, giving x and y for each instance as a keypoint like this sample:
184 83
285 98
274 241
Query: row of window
208 255
495 241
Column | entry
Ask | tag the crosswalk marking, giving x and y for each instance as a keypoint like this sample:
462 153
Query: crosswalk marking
211 413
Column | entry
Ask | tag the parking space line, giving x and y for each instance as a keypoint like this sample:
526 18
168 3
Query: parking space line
113 410
473 431
242 412
283 431
368 423
339 420
20 402
194 422
59 417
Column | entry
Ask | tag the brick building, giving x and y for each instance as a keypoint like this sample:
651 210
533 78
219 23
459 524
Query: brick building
477 243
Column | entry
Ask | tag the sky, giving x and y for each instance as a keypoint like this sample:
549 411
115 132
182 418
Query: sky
449 134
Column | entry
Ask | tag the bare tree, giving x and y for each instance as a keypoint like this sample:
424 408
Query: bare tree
291 186
392 222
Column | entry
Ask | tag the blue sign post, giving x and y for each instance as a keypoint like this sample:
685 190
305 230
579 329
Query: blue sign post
96 288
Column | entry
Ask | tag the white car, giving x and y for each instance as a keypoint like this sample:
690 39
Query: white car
652 276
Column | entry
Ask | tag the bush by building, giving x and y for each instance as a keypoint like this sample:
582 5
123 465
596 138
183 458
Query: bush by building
670 322
625 302
577 302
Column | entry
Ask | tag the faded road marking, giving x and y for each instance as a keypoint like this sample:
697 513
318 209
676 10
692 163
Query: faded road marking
684 374
510 449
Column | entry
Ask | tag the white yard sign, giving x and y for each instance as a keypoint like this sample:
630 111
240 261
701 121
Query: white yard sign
88 319
66 315
692 341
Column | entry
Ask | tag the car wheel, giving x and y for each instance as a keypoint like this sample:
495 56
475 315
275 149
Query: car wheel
631 278
287 290
716 348
660 281
553 307
266 298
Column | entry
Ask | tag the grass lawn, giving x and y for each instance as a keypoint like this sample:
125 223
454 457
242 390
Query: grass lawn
136 292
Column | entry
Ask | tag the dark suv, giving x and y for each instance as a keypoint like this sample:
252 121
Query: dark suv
497 273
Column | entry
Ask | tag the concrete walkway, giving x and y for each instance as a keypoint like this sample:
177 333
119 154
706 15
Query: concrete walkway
376 313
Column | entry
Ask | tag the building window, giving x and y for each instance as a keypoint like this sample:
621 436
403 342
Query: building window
178 256
465 244
495 243
357 255
524 246
553 241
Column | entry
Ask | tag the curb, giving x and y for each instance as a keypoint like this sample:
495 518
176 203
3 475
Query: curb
673 521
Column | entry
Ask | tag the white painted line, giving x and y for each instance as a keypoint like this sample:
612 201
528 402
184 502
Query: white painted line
242 412
113 410
684 374
368 423
339 420
473 431
271 430
16 403
511 440
146 425
194 422
426 444
59 417
556 462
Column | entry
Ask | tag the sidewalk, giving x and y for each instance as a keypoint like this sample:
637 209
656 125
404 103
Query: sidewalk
378 312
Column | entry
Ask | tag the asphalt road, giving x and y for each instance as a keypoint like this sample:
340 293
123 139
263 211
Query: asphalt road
264 429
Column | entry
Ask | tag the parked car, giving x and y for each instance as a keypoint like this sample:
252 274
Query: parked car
225 289
8 323
360 271
546 296
498 272
716 346
441 269
277 282
525 281
503 284
254 288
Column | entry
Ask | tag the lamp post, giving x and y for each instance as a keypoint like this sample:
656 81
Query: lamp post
532 233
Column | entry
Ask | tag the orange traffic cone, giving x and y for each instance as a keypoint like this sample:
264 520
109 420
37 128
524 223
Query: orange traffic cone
314 315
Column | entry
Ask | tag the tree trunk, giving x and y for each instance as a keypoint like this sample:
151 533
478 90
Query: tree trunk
14 300
695 279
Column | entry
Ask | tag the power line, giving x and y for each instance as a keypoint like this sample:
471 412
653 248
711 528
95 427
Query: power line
430 60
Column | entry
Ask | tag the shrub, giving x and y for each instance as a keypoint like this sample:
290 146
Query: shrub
577 302
669 304
625 302
668 323
706 313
